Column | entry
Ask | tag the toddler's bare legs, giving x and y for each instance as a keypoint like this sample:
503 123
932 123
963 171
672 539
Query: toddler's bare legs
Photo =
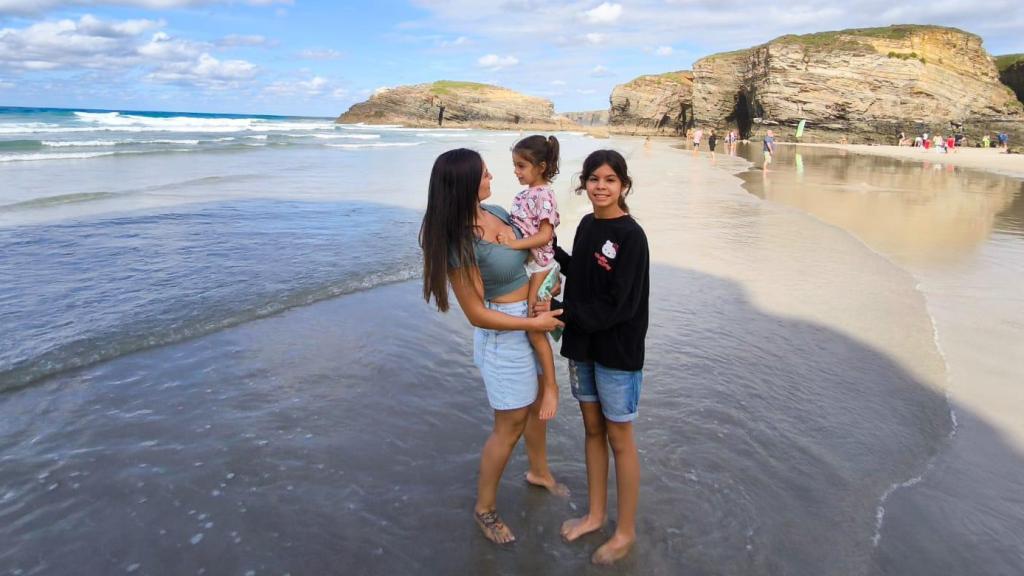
542 348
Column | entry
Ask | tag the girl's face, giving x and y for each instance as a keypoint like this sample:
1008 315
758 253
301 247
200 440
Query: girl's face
604 188
485 184
529 174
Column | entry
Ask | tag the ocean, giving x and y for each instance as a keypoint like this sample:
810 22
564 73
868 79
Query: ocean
215 359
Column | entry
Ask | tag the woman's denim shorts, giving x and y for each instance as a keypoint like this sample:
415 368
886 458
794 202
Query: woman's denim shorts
506 361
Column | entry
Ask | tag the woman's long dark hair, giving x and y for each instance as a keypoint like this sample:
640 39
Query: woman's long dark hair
617 163
447 233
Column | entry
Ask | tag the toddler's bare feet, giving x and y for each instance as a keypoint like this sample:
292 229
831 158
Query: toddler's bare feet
556 488
549 403
576 527
616 548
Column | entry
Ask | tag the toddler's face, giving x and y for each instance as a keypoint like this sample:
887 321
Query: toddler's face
528 173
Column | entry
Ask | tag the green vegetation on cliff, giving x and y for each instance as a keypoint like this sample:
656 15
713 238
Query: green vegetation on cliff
445 87
1005 61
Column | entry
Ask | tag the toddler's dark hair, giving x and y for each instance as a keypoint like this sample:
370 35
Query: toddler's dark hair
537 149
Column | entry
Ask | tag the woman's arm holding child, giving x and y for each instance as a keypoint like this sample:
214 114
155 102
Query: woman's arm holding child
468 293
546 233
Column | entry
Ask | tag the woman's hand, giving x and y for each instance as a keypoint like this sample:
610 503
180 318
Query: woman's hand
548 321
504 239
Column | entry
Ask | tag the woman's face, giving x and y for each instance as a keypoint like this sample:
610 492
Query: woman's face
485 184
604 187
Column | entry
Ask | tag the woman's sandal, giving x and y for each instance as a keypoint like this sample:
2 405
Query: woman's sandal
493 527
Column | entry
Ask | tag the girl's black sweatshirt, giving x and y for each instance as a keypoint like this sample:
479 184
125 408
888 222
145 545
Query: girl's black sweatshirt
606 293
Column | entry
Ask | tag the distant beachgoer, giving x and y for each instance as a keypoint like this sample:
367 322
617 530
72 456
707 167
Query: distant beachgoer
901 140
535 214
917 142
1004 140
843 140
950 144
712 141
926 141
697 135
730 141
939 143
459 239
606 306
769 149
986 141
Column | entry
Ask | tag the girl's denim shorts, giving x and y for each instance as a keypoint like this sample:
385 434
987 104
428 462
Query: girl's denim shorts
506 361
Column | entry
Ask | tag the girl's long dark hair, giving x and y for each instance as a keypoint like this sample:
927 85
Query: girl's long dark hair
617 163
447 232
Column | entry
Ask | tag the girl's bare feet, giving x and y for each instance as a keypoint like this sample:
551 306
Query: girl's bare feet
556 488
616 548
576 527
493 528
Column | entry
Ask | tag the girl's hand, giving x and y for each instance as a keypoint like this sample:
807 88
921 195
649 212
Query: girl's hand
548 321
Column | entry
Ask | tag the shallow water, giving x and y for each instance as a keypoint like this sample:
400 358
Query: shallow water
792 380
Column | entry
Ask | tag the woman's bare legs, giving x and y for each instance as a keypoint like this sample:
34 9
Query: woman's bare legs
508 427
537 452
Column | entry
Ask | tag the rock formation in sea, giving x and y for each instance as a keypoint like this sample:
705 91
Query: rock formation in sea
1011 72
455 104
589 118
652 105
864 85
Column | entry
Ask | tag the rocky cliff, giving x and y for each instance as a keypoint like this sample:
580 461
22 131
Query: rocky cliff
1011 72
865 85
588 119
461 104
652 105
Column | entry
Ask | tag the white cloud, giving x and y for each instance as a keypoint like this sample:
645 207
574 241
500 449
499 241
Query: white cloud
558 82
600 72
339 93
5 85
594 38
70 44
320 54
232 40
493 62
206 71
586 91
29 7
460 41
606 13
663 51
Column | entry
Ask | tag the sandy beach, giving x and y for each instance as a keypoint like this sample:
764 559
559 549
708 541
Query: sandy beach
316 413
990 159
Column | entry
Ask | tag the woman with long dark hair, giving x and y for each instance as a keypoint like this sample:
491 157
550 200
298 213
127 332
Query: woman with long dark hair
459 238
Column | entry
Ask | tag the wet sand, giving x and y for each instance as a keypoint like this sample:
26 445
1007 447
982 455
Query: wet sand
793 379
990 159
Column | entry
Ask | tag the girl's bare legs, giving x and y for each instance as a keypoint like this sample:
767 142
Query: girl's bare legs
548 392
627 476
508 427
597 474
537 453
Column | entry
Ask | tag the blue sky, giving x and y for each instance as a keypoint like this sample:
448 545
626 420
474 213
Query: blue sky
306 57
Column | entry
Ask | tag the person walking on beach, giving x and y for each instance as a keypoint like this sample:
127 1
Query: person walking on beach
712 141
697 135
606 316
459 239
1004 141
768 149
